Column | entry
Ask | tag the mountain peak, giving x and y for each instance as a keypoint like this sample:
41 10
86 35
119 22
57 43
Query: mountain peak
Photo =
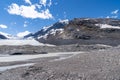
66 21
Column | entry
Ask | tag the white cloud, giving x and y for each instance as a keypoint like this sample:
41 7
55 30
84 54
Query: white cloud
115 12
28 1
64 14
13 23
25 24
114 16
29 11
108 17
22 34
3 26
38 6
55 3
43 2
50 3
46 2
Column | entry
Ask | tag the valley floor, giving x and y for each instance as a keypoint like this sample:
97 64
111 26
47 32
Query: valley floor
89 62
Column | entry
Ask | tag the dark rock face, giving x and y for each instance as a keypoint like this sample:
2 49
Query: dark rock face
87 28
2 37
29 35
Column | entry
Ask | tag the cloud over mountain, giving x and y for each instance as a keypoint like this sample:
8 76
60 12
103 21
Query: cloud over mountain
22 34
28 1
31 10
115 12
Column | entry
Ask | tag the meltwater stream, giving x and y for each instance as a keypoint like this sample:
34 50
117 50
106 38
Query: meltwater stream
12 58
4 68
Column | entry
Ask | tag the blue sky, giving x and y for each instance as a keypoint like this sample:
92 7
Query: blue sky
24 16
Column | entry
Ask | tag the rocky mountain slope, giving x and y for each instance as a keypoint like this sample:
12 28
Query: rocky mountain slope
82 31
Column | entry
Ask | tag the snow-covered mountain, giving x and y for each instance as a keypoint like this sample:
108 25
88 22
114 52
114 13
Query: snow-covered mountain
6 36
80 30
48 31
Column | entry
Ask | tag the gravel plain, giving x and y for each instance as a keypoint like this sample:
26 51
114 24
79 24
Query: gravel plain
98 62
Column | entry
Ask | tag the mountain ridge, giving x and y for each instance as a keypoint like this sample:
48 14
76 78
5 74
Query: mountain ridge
80 31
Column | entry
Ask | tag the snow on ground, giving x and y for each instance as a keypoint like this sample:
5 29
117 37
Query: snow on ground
102 26
22 42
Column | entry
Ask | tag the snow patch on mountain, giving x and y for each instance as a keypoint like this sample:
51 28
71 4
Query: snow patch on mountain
52 32
103 26
66 21
46 28
42 36
87 19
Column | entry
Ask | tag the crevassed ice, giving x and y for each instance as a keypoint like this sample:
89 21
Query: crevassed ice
22 42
